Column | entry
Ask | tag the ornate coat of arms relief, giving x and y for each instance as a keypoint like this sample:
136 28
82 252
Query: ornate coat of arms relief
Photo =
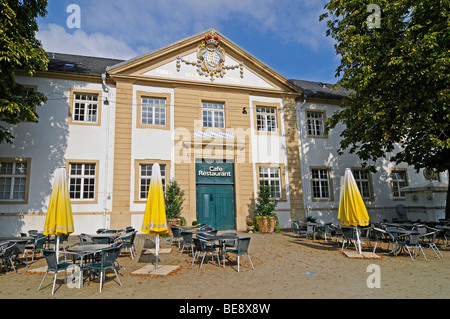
211 59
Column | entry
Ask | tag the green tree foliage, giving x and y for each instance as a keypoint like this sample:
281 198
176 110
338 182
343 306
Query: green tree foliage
399 78
174 199
265 203
19 49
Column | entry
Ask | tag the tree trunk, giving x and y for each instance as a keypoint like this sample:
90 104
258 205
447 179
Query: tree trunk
447 203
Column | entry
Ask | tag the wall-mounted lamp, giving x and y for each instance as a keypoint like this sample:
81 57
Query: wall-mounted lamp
244 111
106 102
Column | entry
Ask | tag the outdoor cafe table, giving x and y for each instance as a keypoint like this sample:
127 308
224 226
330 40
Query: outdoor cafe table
222 239
13 239
400 232
110 236
83 251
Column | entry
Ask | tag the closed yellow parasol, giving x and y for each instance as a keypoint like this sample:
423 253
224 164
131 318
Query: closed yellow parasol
155 211
59 220
352 211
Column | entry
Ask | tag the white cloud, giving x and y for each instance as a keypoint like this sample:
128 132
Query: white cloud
56 38
160 22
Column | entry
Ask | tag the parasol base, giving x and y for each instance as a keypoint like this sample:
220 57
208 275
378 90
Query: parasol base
364 254
161 251
163 270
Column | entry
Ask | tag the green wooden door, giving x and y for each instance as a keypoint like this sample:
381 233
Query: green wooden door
215 206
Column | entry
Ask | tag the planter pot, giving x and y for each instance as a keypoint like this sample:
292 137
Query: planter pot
265 224
173 221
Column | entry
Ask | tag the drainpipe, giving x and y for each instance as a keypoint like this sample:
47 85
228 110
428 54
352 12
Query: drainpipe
302 162
106 165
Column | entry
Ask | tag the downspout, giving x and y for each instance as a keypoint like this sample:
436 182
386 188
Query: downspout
302 162
106 197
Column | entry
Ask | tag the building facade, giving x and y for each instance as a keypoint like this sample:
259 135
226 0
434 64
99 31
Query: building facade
215 118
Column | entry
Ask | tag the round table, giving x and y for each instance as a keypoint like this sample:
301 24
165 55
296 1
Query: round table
83 251
222 239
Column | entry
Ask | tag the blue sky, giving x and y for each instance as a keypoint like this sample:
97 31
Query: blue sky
285 34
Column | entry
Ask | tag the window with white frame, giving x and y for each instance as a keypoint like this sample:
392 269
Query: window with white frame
82 181
213 114
85 108
316 123
320 179
13 180
271 176
266 119
145 176
153 111
363 181
399 180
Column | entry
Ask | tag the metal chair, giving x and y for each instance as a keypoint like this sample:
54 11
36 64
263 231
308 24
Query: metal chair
242 249
187 242
324 230
53 266
413 242
348 236
7 251
20 250
382 236
85 238
299 228
109 257
176 234
201 246
310 231
37 245
428 238
127 241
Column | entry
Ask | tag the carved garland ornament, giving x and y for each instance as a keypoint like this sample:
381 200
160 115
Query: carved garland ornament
211 59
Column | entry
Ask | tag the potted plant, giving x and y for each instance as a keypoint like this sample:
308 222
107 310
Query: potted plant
174 198
265 204
250 226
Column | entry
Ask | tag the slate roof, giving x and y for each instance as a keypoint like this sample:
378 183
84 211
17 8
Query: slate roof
87 65
79 64
320 90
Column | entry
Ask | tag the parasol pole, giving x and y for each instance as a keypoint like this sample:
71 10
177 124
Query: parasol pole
358 239
157 250
57 246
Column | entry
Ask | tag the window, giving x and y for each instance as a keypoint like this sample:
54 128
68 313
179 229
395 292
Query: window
213 115
399 180
364 182
82 177
315 122
14 177
266 119
320 180
85 108
271 176
145 176
153 111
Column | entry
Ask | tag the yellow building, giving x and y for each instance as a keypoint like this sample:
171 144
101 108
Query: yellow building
231 121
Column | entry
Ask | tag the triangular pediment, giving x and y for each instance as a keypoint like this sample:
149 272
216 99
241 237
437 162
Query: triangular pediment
198 59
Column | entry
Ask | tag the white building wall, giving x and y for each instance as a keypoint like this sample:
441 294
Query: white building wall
270 149
148 143
322 152
49 143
